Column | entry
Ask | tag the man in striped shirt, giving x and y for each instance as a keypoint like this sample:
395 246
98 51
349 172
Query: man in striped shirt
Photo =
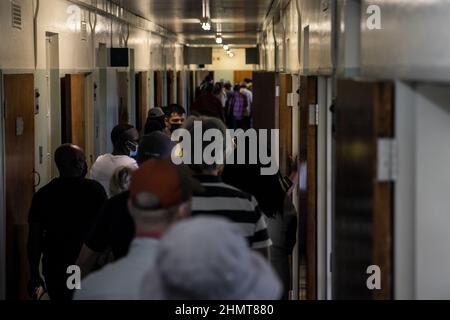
220 199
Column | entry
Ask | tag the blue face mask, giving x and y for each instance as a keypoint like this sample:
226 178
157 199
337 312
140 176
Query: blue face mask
134 149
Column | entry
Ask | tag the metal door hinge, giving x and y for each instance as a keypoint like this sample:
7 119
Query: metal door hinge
292 99
387 160
313 114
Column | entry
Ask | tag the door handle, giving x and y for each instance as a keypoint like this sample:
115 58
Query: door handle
36 174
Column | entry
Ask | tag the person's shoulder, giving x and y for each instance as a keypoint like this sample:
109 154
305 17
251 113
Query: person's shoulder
233 191
90 183
48 188
124 160
116 204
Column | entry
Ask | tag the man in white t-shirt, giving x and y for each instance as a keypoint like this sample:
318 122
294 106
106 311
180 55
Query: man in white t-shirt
125 139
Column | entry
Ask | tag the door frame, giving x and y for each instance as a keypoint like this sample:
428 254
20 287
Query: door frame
2 194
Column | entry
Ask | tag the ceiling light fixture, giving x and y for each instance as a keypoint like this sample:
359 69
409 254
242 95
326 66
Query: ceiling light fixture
231 54
226 47
205 21
219 39
206 24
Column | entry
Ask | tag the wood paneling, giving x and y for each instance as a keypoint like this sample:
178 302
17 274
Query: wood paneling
123 92
285 124
170 87
180 87
75 116
240 76
308 185
265 100
158 88
19 180
363 206
141 99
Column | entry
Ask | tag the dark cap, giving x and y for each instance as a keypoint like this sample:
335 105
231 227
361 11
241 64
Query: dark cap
155 145
158 184
156 113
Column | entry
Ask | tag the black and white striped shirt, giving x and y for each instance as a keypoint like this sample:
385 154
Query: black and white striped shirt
223 200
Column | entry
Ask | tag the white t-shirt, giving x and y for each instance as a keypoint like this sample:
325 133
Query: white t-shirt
122 279
106 165
249 96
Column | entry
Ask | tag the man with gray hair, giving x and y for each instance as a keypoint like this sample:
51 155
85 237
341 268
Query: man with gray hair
206 258
160 195
218 198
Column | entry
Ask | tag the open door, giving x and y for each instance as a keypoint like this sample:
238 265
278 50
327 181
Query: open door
141 99
74 110
265 100
364 195
19 178
308 188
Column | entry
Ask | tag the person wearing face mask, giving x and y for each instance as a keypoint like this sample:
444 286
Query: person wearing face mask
61 215
125 139
175 117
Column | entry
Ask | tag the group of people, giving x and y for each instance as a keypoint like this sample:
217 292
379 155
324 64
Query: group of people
141 227
231 104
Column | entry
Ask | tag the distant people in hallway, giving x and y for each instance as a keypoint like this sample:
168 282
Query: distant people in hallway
207 258
114 228
60 217
246 91
156 121
160 195
238 110
220 199
207 104
203 86
219 92
175 117
125 139
274 197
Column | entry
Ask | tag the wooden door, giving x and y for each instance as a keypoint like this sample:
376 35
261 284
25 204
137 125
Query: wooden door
170 87
240 76
123 92
308 185
141 99
158 88
74 115
363 205
265 100
19 178
285 124
180 88
190 84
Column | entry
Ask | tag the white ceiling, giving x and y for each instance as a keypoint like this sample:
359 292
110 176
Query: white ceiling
240 19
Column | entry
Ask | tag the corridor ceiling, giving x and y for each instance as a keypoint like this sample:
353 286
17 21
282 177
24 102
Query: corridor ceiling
240 20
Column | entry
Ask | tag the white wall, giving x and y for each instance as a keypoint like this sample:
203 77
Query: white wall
221 61
75 55
422 202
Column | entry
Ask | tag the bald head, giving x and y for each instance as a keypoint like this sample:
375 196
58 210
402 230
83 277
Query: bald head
70 161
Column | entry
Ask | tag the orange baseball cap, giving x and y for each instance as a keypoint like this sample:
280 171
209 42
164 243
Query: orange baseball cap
160 184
